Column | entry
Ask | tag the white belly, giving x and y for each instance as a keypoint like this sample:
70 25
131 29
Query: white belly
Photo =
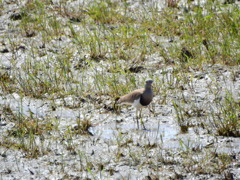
137 104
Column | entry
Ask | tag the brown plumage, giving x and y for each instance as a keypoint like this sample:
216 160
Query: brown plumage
138 98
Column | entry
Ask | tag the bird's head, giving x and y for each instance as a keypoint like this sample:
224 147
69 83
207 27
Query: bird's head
148 83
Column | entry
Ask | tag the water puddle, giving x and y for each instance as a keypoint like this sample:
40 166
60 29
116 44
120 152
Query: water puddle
164 133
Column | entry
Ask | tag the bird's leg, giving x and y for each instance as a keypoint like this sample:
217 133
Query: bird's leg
137 118
141 120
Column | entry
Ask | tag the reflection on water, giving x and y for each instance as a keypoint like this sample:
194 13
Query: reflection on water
166 134
159 132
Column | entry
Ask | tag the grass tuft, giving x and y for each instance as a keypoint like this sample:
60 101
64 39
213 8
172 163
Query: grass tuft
227 121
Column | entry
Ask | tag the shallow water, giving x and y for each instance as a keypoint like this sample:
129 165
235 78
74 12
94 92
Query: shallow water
167 134
108 130
66 155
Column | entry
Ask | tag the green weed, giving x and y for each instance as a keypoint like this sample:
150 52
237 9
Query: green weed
226 120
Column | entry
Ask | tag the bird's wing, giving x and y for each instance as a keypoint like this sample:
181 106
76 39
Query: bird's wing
132 96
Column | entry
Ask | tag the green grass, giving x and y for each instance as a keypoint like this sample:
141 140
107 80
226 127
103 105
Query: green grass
226 121
105 34
93 52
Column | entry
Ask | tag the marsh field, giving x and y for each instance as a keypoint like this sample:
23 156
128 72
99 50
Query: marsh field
64 62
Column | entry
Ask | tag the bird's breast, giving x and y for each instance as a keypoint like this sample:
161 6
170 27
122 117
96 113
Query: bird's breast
144 101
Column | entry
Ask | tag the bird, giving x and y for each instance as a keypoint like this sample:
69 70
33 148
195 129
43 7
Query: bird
138 98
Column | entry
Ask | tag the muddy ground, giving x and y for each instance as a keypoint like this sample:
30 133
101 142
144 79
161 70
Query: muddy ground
182 140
